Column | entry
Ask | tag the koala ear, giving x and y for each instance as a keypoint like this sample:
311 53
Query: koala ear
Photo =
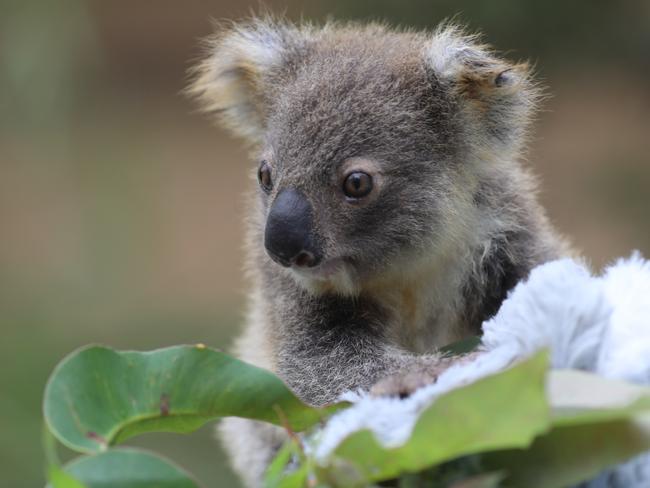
243 61
496 98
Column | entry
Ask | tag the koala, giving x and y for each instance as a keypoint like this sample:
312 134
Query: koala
392 213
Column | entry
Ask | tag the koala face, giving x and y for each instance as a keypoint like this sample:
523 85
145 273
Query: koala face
352 165
365 140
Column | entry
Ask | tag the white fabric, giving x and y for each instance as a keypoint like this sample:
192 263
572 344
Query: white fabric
599 324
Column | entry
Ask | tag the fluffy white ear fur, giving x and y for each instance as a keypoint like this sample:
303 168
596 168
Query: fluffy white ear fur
497 98
459 58
450 51
229 83
599 324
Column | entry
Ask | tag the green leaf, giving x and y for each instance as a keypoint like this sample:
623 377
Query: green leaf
97 397
571 454
464 472
127 468
597 423
578 397
295 479
487 480
461 347
277 475
60 479
276 470
505 410
56 476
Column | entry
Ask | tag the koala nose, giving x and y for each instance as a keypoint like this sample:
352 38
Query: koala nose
289 237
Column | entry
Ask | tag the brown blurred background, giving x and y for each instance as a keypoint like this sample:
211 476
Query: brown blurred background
121 209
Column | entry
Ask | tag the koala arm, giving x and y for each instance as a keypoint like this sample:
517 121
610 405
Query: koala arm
337 344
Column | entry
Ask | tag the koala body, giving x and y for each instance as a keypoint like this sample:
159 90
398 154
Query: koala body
393 214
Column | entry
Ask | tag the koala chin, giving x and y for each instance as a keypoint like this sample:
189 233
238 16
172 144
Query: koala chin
392 213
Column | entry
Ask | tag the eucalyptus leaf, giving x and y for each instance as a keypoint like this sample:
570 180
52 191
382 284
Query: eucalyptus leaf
97 397
597 423
295 479
126 468
487 480
276 470
579 397
56 476
505 410
571 454
60 479
464 346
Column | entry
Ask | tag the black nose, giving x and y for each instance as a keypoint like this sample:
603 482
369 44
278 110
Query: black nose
289 236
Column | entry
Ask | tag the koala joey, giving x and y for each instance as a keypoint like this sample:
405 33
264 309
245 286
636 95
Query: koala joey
392 214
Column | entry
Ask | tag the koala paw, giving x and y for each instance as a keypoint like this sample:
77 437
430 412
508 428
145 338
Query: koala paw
404 383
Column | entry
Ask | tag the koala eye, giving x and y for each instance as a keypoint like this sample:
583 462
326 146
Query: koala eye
264 177
357 185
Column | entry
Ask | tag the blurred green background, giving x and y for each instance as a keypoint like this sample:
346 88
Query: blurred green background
121 209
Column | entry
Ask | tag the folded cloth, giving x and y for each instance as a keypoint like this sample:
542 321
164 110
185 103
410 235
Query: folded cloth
598 324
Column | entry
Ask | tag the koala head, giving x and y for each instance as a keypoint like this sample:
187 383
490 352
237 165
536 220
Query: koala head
369 143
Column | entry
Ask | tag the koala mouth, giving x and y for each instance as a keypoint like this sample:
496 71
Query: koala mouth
336 275
324 271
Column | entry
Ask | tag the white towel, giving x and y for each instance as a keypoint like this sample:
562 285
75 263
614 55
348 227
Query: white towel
598 324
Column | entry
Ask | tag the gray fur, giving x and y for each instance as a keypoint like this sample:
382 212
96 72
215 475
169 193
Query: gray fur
440 122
